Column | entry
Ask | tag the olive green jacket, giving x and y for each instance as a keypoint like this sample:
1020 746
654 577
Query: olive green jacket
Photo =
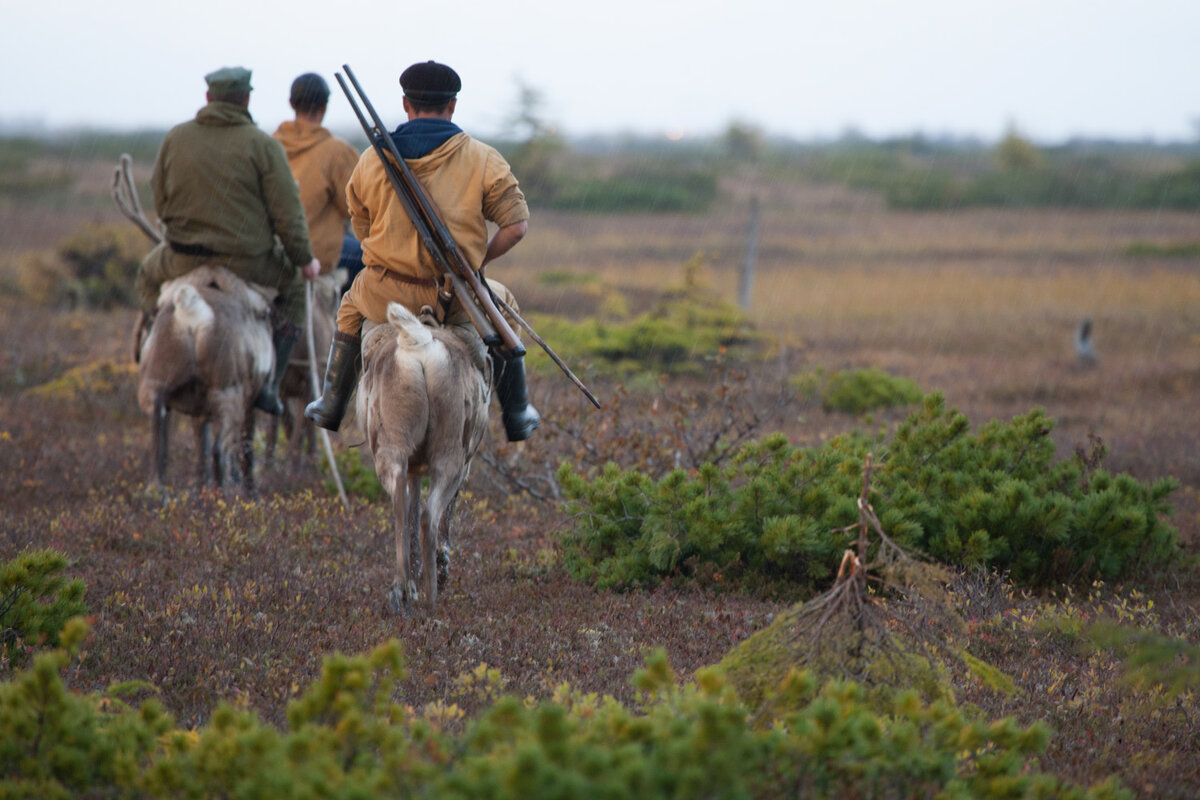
221 183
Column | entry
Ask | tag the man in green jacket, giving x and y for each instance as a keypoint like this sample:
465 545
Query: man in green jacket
226 196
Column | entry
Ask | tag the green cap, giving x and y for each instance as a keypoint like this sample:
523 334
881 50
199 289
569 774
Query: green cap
229 80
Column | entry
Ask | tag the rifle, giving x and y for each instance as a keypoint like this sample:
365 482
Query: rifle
477 299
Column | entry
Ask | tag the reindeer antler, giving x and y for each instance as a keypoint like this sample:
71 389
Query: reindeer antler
126 197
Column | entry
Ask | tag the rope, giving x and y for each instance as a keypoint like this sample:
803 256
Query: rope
309 290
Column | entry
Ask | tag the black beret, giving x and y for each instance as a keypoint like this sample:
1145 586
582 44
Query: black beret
430 82
309 91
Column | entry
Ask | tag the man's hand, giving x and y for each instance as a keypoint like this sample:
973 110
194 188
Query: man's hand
311 270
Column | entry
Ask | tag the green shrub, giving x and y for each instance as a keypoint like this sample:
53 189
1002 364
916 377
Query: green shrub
774 512
93 268
55 743
1151 659
358 475
348 738
643 190
858 391
1142 249
688 326
1178 190
104 260
36 601
563 278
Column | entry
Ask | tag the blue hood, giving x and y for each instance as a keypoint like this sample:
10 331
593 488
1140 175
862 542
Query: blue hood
420 137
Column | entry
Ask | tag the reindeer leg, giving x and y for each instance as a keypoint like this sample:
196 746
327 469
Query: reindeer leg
290 427
402 589
206 467
444 548
247 454
441 495
416 523
220 465
159 431
309 433
270 442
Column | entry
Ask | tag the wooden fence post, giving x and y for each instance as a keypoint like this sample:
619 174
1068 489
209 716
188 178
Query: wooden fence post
746 290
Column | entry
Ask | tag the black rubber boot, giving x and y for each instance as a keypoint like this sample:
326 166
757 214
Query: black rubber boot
520 418
284 340
341 374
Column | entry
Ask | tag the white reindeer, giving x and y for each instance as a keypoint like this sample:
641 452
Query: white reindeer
423 402
206 355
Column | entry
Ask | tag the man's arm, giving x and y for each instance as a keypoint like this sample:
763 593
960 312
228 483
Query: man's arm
360 214
158 178
504 240
281 195
340 170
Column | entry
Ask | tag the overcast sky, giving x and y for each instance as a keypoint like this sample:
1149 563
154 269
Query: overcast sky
1054 69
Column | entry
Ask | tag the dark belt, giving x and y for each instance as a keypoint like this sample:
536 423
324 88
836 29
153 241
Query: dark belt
387 273
192 249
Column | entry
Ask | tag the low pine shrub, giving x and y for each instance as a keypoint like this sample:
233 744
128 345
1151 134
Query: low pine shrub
55 743
36 600
858 391
688 326
775 514
93 268
104 260
347 737
358 475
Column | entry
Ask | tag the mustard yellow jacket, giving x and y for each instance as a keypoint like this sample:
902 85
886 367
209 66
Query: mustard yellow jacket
471 184
221 183
322 164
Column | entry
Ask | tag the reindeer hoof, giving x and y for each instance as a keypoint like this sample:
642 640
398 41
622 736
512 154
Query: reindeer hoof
397 600
402 598
443 568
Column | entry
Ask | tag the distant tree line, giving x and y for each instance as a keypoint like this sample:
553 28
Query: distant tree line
646 174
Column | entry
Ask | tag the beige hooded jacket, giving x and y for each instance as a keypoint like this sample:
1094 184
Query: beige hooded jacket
471 184
469 181
322 164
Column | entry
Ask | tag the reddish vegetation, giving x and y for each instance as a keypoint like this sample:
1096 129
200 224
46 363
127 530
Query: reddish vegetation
210 597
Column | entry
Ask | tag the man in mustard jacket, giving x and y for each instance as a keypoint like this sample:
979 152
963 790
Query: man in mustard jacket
472 185
322 164
224 192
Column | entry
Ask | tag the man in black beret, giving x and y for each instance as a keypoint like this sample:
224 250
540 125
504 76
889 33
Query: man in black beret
473 185
430 84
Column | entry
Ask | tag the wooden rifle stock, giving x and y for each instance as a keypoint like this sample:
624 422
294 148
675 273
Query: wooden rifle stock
475 297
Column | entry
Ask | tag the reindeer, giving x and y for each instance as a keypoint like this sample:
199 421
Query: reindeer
423 403
207 353
296 388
